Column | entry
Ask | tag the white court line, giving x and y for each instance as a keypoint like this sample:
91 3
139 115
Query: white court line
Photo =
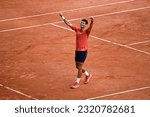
118 93
26 27
44 14
62 27
108 41
136 43
18 92
125 46
107 14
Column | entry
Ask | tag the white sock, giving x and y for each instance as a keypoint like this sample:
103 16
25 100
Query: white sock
86 73
78 80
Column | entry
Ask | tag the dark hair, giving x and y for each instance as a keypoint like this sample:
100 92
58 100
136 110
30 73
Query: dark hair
86 22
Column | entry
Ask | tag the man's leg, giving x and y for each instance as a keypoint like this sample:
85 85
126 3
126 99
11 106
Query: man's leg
79 66
81 70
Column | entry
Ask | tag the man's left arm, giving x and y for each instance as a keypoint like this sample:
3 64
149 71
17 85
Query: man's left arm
91 24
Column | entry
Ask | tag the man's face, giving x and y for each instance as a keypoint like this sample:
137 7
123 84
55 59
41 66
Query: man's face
83 24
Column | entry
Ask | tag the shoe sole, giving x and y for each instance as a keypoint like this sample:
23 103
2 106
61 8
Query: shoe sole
74 87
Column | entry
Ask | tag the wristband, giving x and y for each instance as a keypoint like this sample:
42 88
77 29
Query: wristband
63 17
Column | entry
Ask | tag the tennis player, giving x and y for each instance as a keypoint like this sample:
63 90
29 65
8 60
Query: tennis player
82 35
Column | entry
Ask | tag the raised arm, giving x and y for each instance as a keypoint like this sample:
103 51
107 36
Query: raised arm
65 20
91 24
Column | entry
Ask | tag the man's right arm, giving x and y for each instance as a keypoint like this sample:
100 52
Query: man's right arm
65 20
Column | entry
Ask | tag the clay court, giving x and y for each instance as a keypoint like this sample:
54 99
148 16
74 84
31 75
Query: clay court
37 50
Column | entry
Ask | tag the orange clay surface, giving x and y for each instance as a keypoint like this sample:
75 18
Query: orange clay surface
39 61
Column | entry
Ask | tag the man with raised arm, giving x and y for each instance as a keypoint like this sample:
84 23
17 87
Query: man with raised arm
82 35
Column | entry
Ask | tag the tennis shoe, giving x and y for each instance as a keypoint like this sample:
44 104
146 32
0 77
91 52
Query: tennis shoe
87 79
75 85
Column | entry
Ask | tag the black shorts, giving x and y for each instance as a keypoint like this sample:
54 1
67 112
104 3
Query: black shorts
80 56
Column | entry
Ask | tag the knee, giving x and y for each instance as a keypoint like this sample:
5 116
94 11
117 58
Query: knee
79 66
76 65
